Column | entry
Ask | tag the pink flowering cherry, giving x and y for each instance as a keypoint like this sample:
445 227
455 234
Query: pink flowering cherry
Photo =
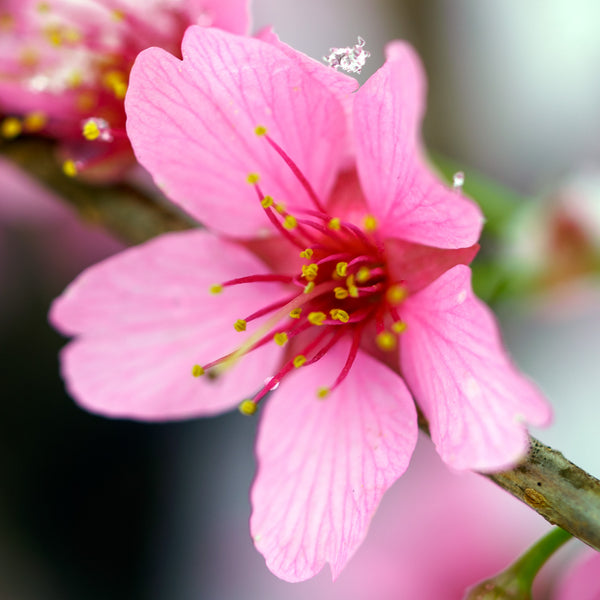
332 274
582 581
64 67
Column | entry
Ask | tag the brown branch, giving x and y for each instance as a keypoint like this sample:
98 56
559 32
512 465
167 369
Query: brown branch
557 489
128 213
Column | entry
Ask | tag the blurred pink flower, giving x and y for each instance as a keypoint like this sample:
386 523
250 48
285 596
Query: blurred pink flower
583 580
64 67
361 276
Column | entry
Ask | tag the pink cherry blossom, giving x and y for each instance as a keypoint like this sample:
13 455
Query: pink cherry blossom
336 286
64 67
583 580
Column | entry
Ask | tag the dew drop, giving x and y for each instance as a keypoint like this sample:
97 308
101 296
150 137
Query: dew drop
458 180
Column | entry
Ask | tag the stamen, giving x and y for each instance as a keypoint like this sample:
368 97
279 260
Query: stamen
337 314
216 289
240 325
399 327
334 224
309 272
350 359
396 294
281 338
317 317
251 279
289 222
386 341
197 371
248 407
70 168
299 175
340 293
253 178
299 360
11 128
97 129
341 269
295 314
35 121
370 223
308 253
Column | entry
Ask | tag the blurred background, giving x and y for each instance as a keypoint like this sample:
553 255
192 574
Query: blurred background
96 508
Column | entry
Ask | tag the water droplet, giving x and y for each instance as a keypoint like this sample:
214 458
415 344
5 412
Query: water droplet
268 380
458 180
350 59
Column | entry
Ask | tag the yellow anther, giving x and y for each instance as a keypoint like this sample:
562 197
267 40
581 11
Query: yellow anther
337 314
323 392
266 202
248 407
11 127
370 223
197 371
317 318
91 131
295 313
309 272
280 208
70 168
340 293
399 327
43 7
54 36
118 15
35 121
341 269
216 289
308 253
309 287
299 360
72 35
75 79
396 293
363 275
334 224
253 178
260 130
281 338
116 82
240 325
289 222
386 340
352 289
7 21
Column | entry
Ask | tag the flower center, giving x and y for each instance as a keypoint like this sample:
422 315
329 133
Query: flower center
341 287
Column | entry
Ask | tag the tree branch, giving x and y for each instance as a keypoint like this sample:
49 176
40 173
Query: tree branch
545 480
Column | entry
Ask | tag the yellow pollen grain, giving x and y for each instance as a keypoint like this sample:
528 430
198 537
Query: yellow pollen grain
399 327
337 314
323 393
90 130
352 289
370 223
395 294
11 127
386 341
308 253
341 269
280 208
35 121
340 293
281 338
54 36
295 313
240 325
118 15
299 360
72 35
309 272
334 224
363 275
260 130
266 202
253 178
116 82
289 222
69 168
197 371
216 289
317 318
248 407
309 287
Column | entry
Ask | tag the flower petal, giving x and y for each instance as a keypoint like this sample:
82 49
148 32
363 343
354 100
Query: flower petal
452 358
323 465
146 316
192 125
231 15
408 201
583 580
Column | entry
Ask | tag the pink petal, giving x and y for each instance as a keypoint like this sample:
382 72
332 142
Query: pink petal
231 15
452 358
192 126
583 581
146 316
323 465
404 195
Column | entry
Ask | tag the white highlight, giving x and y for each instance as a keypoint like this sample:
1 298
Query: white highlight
458 180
